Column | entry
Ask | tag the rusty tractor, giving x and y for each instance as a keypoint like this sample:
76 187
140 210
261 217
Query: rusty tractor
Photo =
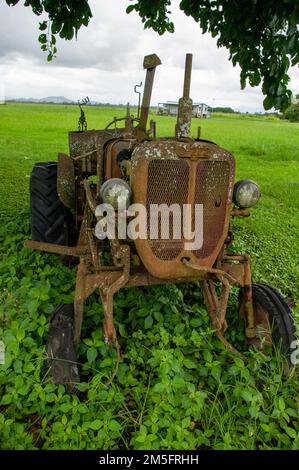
127 162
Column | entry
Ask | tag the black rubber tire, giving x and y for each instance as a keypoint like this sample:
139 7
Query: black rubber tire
280 317
61 354
49 217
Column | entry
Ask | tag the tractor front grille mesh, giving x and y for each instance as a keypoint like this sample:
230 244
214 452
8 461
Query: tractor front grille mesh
211 190
168 183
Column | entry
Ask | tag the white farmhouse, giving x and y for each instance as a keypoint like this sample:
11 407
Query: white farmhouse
170 108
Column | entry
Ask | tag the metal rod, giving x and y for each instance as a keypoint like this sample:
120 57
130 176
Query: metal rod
146 99
187 78
183 125
57 249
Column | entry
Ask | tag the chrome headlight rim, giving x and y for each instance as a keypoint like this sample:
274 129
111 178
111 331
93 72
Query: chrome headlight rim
108 185
239 185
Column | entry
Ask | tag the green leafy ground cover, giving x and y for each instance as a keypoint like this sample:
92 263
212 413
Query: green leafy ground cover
176 387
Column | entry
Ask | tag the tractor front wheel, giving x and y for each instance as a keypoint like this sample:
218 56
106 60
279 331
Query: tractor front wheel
274 325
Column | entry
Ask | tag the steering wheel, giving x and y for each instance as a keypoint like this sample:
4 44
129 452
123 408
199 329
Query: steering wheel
117 120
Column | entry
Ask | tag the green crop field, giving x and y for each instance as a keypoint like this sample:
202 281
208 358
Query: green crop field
175 387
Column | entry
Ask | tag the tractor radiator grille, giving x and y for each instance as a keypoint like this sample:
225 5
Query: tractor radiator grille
211 190
168 183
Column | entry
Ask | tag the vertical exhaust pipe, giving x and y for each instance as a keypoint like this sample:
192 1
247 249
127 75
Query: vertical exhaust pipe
150 63
183 125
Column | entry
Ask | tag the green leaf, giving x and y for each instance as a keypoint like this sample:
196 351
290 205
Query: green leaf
267 103
186 422
178 382
196 322
158 388
207 356
82 408
158 317
82 387
189 364
40 331
253 411
65 407
142 434
122 330
239 362
291 432
91 355
42 38
130 8
265 427
43 25
281 404
114 425
148 322
96 424
6 399
216 372
20 335
246 395
64 420
32 306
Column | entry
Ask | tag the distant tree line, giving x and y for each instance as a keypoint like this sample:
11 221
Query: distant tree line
219 109
292 113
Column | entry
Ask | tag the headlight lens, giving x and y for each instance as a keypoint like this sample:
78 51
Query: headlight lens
116 192
246 194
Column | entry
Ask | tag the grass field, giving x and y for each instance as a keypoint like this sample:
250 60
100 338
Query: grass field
175 387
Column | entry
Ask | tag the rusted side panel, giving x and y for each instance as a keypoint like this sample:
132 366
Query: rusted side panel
66 180
112 169
87 141
87 151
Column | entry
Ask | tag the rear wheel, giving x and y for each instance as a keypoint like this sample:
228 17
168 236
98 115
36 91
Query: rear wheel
274 325
50 219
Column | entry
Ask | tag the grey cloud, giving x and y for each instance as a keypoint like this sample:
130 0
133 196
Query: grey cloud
18 32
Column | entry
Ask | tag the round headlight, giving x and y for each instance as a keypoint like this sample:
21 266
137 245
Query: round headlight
246 194
116 192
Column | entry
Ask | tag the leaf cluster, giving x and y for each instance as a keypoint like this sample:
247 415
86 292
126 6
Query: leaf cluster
175 387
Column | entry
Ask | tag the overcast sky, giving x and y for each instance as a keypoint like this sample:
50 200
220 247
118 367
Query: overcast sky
106 60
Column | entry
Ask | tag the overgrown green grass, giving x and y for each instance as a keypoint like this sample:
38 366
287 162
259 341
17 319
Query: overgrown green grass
176 387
